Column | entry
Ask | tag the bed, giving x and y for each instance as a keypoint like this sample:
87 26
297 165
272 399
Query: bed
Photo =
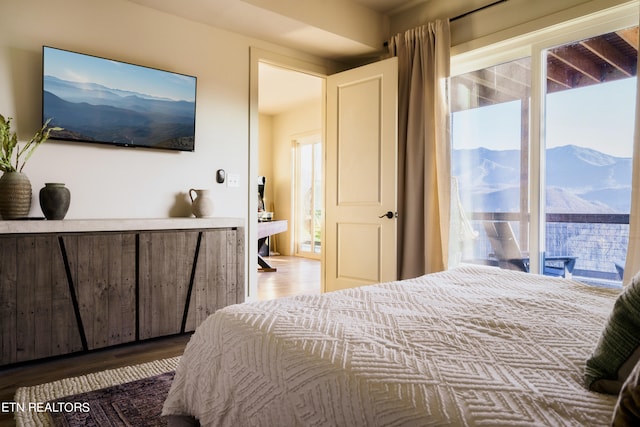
470 346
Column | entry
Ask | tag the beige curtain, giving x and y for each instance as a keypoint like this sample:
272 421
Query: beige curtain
632 264
424 166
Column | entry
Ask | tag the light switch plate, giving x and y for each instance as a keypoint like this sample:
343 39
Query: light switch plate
233 180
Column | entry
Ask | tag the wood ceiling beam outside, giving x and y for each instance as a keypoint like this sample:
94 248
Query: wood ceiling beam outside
471 93
493 96
610 54
629 35
510 78
577 61
567 67
502 91
559 75
517 73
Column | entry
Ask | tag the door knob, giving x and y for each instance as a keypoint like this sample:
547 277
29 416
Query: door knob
388 215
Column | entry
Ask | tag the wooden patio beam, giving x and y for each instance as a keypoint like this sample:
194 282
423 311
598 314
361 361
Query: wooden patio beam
629 35
559 75
509 88
577 61
610 54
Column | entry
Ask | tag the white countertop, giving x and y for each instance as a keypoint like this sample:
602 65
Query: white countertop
88 225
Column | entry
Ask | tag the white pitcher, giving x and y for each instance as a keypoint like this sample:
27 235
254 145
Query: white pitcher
201 204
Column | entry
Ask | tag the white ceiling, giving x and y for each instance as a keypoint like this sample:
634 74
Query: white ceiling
314 29
280 89
317 28
388 7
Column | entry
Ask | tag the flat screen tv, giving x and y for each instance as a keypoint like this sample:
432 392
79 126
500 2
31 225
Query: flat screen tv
99 100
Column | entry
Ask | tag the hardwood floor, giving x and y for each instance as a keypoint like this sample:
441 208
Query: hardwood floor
294 276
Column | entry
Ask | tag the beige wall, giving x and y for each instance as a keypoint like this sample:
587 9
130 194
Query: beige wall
108 182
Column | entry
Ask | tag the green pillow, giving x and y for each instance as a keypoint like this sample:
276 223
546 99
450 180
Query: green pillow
618 349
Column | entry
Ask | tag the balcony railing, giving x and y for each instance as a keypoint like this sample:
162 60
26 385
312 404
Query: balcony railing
599 241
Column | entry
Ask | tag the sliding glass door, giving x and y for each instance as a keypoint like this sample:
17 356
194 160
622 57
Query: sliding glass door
589 122
542 134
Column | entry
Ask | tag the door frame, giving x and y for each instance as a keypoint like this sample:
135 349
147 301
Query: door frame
256 56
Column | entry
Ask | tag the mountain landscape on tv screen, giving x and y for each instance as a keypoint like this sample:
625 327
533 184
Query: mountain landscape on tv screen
578 180
92 112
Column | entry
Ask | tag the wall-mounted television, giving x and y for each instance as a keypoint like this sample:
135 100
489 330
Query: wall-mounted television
99 100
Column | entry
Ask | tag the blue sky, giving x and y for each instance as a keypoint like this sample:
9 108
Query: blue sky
599 116
118 75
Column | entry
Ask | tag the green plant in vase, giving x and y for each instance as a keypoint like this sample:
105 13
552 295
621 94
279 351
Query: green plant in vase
15 187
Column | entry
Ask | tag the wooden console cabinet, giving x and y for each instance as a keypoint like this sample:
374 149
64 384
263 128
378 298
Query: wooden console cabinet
66 292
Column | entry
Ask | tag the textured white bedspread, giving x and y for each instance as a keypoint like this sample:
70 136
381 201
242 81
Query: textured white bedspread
468 347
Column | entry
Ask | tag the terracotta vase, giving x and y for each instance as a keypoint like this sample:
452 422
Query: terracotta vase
201 204
15 195
54 200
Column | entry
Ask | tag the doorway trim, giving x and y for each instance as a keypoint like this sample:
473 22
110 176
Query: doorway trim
256 56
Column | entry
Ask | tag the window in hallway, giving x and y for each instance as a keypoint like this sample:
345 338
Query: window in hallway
308 196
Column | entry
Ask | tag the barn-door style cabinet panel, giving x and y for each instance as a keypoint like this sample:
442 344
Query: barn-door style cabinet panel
186 276
220 261
36 311
65 292
166 262
102 271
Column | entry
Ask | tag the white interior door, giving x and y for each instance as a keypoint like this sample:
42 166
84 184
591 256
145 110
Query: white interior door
361 176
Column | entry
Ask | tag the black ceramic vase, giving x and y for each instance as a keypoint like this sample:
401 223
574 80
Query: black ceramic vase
54 200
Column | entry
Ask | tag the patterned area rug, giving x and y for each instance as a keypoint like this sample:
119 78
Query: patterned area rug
137 403
130 396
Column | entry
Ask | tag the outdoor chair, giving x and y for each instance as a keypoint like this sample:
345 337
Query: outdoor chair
508 255
620 268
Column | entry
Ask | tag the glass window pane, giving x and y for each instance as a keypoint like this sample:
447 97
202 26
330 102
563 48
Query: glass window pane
318 200
305 197
490 145
589 122
308 201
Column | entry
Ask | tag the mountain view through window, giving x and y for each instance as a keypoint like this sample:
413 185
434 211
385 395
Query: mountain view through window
589 105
